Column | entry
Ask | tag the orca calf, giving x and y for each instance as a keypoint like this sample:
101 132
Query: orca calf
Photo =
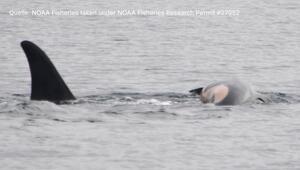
46 83
226 93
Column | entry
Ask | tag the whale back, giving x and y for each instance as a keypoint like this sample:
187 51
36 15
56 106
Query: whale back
238 94
225 93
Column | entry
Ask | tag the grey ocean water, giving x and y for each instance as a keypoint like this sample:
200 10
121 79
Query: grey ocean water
132 74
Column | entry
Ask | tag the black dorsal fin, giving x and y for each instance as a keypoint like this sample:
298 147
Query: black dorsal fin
196 91
46 83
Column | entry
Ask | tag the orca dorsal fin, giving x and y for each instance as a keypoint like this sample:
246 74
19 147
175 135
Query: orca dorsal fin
46 83
197 91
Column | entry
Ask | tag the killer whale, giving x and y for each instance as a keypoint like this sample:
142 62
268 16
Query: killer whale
227 93
46 82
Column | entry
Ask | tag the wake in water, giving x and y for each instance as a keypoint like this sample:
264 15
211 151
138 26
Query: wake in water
125 107
159 99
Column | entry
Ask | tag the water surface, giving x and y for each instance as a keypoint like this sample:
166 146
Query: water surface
132 74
